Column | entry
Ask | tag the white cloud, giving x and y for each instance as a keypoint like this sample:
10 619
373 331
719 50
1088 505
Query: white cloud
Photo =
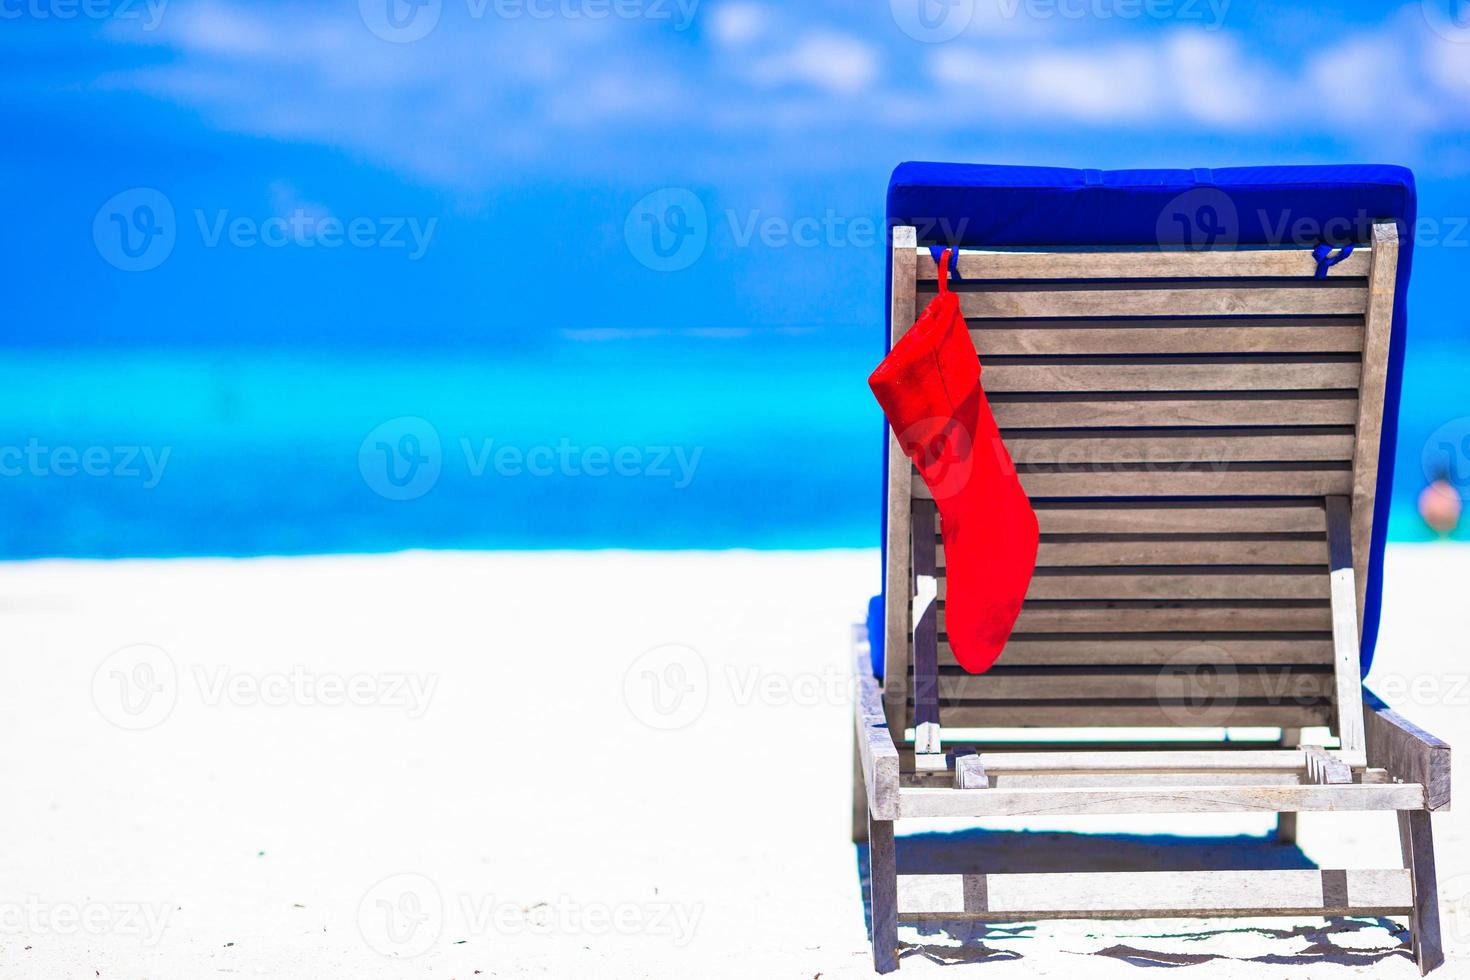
739 23
1205 80
1448 64
477 99
837 63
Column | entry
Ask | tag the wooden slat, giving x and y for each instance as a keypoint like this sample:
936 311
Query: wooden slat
925 802
1153 894
1138 649
1171 374
1155 617
1137 714
1176 582
1255 263
1126 745
1233 480
1163 336
1166 517
1171 683
1167 582
1293 760
1028 780
1379 328
1086 299
1175 550
1051 411
1176 445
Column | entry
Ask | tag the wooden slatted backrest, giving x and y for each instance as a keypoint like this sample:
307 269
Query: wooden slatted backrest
1181 421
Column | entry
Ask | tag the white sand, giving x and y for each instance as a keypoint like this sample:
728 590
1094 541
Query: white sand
510 780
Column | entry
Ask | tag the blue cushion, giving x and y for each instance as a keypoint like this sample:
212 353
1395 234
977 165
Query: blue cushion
977 205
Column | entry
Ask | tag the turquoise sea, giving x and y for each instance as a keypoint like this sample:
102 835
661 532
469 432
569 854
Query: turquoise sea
603 443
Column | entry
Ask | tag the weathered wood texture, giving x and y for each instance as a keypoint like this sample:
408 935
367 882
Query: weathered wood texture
926 633
1250 263
883 894
1149 894
1378 329
1407 751
1418 836
898 587
875 743
969 773
997 802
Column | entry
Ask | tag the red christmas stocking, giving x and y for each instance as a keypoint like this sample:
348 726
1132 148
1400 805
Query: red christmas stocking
929 387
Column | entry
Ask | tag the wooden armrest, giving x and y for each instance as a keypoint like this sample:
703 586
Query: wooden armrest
875 742
1408 752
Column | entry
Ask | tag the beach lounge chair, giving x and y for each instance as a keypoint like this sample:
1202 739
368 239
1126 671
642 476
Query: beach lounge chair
1202 405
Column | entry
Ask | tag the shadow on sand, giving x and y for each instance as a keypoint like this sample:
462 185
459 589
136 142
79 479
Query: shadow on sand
1019 851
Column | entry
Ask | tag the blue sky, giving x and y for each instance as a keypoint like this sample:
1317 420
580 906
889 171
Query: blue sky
254 232
517 135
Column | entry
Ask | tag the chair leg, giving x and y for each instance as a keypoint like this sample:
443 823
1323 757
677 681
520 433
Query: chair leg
1416 837
1286 828
1286 822
883 885
859 796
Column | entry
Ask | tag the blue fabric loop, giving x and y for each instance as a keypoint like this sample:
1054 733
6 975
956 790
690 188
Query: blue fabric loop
1204 175
1326 260
1092 178
954 258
